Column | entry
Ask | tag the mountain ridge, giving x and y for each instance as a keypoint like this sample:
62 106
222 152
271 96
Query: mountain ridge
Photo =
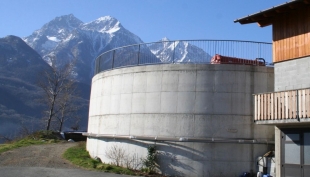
79 41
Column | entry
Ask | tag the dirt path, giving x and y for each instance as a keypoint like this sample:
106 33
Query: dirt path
49 155
43 161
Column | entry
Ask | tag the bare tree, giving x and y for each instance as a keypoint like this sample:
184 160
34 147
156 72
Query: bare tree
67 105
58 89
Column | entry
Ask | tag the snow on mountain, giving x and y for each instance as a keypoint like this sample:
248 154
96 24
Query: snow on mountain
51 38
178 51
67 38
52 33
105 24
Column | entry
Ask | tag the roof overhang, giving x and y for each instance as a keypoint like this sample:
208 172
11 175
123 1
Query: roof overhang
265 17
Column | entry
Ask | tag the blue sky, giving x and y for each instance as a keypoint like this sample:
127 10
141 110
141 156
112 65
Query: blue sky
151 20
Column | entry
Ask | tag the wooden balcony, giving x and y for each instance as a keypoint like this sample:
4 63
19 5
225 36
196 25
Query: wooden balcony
282 107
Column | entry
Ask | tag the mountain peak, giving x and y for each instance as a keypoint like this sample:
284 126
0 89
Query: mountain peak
105 18
164 39
17 53
82 42
14 40
59 25
12 37
106 24
66 21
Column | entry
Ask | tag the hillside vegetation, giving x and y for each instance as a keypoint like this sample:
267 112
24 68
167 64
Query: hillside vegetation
40 137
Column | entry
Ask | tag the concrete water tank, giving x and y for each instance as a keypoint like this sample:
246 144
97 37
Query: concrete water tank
198 116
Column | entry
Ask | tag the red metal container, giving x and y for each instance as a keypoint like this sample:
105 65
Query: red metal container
219 59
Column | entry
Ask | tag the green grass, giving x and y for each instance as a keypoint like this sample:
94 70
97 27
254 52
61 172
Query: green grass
79 156
40 137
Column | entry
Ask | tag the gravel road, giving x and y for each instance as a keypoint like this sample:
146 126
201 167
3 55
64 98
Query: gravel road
43 161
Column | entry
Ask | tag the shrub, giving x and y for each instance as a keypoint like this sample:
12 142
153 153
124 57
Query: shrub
150 161
116 154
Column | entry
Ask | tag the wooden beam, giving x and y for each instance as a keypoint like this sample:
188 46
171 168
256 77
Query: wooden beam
264 23
282 10
246 21
295 6
306 1
269 14
258 18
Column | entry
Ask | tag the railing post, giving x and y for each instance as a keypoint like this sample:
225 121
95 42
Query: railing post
259 50
297 106
139 55
113 59
215 48
98 65
255 108
272 106
173 52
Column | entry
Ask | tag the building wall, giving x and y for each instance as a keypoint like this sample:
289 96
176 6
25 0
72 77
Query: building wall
293 74
291 34
289 75
182 100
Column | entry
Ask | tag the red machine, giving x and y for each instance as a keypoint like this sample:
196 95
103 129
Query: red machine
219 59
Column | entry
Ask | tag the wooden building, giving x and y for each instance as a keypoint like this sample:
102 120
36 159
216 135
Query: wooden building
288 107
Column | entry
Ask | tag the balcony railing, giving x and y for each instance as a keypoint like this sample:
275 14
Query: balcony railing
294 104
181 51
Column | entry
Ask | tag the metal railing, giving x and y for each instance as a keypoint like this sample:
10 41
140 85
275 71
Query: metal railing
181 51
293 104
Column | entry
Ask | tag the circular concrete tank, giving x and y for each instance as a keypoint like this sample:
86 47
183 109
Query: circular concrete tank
204 112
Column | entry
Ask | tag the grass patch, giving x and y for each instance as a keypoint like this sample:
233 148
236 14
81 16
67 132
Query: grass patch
79 156
40 137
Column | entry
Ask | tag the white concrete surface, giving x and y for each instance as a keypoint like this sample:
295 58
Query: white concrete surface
292 74
182 100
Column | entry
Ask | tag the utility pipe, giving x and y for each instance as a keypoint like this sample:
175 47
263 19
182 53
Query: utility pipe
181 139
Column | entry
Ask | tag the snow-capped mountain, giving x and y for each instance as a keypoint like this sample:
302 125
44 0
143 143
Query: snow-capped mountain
47 38
66 38
178 51
106 24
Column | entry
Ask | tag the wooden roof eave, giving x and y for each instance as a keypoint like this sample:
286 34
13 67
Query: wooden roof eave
263 17
262 22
